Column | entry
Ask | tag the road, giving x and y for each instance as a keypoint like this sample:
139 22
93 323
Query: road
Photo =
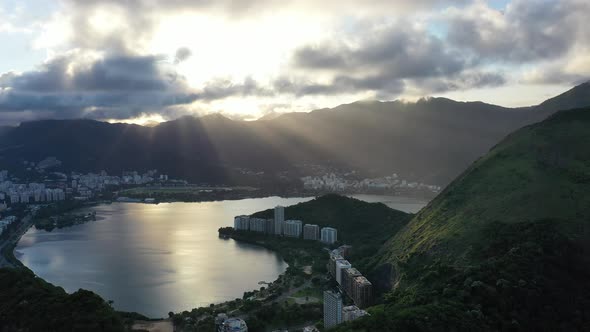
25 224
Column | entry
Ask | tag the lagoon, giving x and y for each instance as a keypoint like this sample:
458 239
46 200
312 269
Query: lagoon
153 259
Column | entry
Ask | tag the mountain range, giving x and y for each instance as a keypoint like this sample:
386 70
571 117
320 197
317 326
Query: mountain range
432 140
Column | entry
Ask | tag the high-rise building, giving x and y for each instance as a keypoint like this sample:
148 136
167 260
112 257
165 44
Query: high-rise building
311 232
279 219
332 264
242 223
348 276
332 309
362 292
270 226
257 225
345 250
329 235
340 266
292 228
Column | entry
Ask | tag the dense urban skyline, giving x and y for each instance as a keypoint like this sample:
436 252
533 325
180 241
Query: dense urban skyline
156 60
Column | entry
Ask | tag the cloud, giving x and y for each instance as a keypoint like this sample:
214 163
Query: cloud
401 50
386 60
78 85
527 31
182 54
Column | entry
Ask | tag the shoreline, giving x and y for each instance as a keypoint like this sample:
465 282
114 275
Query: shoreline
8 253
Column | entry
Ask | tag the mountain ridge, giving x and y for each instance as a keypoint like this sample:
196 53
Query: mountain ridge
374 138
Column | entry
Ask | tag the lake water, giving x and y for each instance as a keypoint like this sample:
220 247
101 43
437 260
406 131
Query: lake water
159 258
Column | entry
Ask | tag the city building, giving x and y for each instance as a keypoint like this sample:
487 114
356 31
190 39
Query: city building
279 219
257 225
352 312
242 223
311 232
329 235
340 266
362 293
292 228
348 276
345 250
332 309
332 264
270 226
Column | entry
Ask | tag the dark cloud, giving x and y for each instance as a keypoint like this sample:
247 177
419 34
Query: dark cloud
528 31
182 54
114 73
386 62
121 86
339 85
400 51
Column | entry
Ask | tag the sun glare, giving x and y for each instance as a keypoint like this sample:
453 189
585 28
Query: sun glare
144 120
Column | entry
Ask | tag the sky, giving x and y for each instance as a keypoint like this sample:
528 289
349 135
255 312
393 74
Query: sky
154 60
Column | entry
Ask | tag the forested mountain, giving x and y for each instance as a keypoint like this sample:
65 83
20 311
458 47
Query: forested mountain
432 140
504 247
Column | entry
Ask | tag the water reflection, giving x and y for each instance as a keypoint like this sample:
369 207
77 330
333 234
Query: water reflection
155 258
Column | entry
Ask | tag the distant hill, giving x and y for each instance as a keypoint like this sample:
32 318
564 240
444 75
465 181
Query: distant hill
29 304
432 140
504 247
365 226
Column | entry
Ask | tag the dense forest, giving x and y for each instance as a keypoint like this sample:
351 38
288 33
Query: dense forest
29 304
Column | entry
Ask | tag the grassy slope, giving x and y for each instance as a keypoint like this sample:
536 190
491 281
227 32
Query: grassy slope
539 172
505 246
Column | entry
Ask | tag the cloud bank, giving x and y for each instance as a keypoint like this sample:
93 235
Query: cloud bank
107 65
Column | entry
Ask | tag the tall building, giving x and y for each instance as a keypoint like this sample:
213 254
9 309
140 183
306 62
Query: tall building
311 232
292 228
332 309
257 225
279 219
270 226
345 250
329 235
334 258
362 292
348 276
340 266
242 223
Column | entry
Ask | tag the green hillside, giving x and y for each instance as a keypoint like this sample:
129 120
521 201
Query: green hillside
29 304
505 246
365 226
